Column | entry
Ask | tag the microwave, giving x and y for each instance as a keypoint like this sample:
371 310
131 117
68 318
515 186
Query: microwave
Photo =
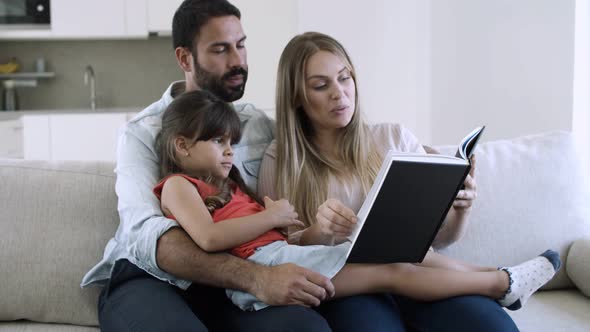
24 14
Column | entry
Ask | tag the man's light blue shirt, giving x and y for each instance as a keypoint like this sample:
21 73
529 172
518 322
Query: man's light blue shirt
141 220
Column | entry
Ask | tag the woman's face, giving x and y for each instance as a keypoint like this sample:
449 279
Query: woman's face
330 92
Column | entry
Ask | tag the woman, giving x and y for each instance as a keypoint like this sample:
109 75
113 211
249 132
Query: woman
326 158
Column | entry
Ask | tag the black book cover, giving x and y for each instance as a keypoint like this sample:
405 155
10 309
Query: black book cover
407 205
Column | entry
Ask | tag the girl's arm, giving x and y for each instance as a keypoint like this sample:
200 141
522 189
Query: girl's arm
181 199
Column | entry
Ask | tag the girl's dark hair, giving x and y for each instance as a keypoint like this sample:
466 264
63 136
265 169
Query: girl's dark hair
191 15
200 116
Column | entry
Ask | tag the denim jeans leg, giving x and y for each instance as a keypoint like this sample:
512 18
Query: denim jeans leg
376 312
133 300
461 313
220 314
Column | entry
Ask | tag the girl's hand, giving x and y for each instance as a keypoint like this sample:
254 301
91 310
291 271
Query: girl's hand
282 213
334 219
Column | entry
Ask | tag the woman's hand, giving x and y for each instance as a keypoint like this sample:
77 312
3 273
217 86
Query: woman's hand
455 224
467 196
334 219
282 213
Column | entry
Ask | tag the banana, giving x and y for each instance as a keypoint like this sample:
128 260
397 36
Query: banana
10 67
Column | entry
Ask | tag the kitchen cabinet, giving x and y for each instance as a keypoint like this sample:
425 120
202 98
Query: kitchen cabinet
90 19
160 14
98 19
36 137
11 139
85 136
82 136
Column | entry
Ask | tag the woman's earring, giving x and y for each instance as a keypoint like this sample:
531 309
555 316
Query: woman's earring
186 154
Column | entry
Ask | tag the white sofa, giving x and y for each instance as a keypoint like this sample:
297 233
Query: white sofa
57 217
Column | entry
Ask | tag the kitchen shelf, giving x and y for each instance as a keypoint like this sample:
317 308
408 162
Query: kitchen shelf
26 76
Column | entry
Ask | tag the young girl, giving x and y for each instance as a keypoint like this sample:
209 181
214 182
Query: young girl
204 192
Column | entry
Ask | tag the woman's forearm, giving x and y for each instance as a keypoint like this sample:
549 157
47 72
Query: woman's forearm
453 228
312 235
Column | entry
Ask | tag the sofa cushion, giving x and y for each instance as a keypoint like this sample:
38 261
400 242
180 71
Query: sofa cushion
24 326
578 265
531 196
556 310
56 220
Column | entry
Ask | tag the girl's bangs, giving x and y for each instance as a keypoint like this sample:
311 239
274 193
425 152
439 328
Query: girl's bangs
223 121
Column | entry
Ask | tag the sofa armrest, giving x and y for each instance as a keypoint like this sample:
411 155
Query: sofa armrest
578 264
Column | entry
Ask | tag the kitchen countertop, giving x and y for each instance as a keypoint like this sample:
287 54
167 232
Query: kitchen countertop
13 115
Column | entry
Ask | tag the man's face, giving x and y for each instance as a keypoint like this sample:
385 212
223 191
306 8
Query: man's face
219 63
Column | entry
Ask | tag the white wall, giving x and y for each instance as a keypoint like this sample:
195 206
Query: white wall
388 41
504 63
581 116
440 67
268 25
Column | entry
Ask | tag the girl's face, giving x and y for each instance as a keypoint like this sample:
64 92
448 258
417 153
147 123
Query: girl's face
209 158
330 92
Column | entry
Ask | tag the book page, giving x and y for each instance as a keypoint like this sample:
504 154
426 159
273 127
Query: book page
467 145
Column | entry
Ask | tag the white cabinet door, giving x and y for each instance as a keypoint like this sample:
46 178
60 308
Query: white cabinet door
36 137
136 18
11 139
98 19
87 18
85 136
160 14
90 19
82 136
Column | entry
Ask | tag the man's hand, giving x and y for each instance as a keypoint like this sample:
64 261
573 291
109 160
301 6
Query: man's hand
466 196
289 284
335 219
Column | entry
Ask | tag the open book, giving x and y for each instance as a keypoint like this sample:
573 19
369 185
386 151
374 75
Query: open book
407 204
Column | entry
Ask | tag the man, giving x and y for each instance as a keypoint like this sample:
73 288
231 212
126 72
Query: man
155 278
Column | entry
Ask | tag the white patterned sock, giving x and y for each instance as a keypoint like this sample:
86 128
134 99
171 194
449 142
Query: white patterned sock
527 277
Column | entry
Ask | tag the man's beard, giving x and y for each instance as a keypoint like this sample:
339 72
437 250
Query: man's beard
216 85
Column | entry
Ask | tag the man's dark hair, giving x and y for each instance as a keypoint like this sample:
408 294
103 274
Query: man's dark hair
191 15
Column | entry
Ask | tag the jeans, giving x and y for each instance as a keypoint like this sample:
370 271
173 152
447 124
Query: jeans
461 313
133 300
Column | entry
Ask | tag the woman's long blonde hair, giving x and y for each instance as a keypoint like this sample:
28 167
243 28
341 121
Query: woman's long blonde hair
302 171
